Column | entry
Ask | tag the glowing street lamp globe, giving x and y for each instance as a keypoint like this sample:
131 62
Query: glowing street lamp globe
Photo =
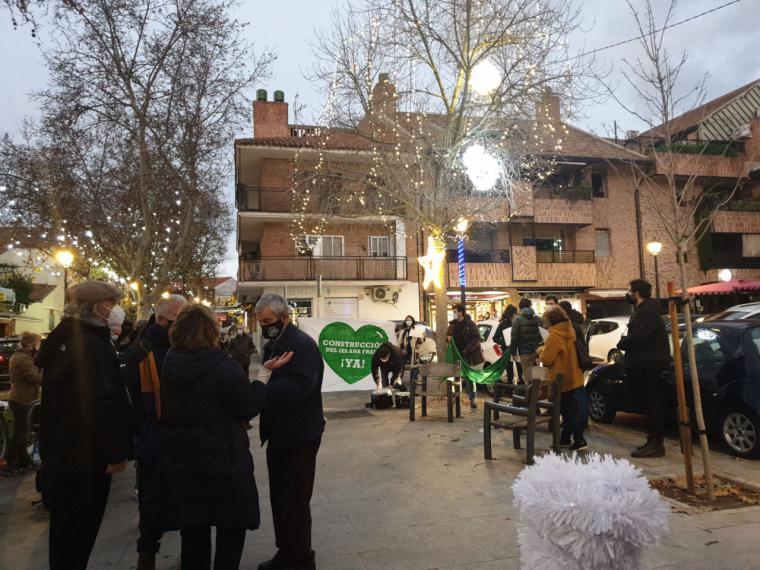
485 78
462 225
64 258
725 275
482 167
654 247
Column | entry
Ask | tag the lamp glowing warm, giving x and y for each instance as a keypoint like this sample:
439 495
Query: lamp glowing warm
654 247
135 286
432 262
462 225
485 78
483 168
165 295
64 258
725 275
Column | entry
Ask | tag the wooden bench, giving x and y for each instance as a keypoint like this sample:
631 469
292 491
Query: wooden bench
523 413
451 374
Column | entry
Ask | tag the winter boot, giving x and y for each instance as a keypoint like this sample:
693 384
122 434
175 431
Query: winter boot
651 449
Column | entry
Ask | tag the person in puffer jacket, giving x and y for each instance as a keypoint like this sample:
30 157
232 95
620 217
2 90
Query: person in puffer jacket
526 336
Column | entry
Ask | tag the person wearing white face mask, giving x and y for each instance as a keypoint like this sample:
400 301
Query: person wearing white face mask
115 320
84 426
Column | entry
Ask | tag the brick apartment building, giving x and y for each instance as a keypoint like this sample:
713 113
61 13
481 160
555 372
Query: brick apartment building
583 243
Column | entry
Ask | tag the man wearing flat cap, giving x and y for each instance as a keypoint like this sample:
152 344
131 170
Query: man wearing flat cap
84 432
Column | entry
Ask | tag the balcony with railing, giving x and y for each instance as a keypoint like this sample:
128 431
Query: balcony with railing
565 256
479 256
258 199
569 206
327 268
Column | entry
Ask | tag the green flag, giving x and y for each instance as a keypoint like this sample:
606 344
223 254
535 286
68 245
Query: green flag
490 375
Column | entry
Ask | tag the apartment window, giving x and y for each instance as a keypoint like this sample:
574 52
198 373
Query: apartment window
602 243
599 184
319 246
379 246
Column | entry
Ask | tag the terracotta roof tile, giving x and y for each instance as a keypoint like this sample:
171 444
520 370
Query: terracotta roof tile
40 291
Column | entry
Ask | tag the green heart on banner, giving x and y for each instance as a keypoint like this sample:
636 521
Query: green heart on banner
348 352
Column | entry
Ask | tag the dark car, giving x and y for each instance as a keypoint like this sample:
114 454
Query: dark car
8 346
728 363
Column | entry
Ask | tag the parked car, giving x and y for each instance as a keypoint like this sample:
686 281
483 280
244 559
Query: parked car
427 350
8 346
728 363
737 312
602 336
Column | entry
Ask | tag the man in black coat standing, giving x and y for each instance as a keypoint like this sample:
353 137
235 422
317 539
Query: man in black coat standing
84 429
647 354
292 423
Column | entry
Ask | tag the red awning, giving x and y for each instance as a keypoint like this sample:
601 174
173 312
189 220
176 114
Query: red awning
726 287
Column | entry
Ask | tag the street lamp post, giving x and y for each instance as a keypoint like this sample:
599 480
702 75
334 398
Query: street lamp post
654 248
65 258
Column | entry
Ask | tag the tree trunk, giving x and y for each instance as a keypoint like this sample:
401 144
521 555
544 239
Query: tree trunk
694 378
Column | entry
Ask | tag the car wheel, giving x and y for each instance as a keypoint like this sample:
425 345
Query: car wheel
599 407
615 356
741 432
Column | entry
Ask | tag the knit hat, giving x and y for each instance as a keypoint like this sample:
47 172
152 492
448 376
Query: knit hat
91 292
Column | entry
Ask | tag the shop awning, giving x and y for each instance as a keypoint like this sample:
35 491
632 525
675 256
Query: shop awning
726 287
607 293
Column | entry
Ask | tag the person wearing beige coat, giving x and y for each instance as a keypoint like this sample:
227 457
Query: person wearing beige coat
560 356
25 389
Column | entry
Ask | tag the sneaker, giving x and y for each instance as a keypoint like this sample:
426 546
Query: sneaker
651 449
579 445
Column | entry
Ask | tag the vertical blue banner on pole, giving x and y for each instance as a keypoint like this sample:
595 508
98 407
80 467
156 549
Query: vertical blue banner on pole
460 263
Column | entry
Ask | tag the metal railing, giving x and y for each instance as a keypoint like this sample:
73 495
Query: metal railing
258 199
479 256
328 268
565 256
572 193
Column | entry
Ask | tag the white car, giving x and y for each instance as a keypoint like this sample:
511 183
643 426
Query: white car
603 335
738 312
491 350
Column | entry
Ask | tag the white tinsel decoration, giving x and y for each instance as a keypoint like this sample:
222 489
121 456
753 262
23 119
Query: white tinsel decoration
590 514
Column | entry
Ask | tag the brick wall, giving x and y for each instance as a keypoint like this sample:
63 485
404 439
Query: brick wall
737 222
560 211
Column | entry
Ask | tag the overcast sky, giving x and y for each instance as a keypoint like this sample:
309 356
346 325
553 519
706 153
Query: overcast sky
722 43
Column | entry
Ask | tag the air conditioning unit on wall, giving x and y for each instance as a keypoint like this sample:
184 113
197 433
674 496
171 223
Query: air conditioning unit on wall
381 294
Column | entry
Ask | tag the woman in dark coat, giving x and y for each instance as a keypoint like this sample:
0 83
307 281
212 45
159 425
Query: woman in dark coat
506 323
205 474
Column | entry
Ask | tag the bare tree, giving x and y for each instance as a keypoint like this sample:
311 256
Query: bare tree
130 157
672 188
444 104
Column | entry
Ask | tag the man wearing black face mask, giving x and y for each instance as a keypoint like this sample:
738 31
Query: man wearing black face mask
647 354
292 423
141 370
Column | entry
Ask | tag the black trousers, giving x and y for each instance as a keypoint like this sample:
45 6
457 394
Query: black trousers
16 455
77 503
511 372
196 548
291 483
149 541
645 384
572 410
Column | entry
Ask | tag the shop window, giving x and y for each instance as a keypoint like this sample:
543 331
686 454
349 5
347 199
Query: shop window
301 307
602 244
319 246
599 184
379 246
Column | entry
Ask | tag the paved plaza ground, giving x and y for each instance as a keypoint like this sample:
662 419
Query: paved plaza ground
395 494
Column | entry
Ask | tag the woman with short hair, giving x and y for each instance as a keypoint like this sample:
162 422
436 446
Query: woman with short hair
205 472
25 389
